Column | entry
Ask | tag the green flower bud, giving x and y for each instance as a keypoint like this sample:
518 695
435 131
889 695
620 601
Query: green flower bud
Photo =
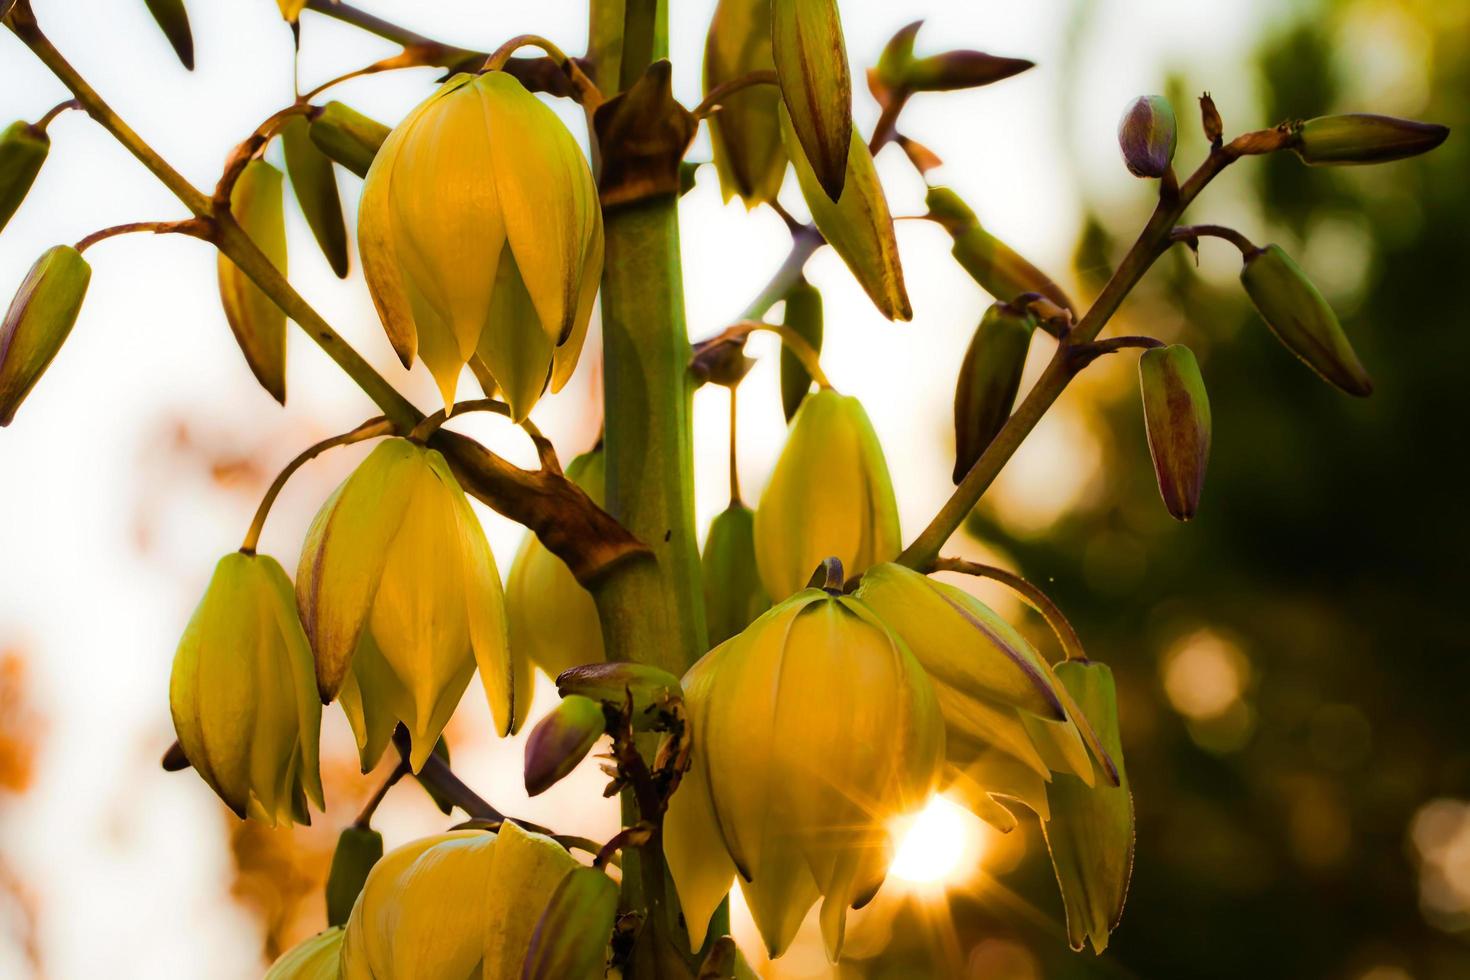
857 224
173 19
38 321
816 89
1176 413
746 132
23 149
813 730
651 689
258 323
898 54
1148 136
454 905
312 959
553 620
560 741
992 263
347 136
571 940
829 496
804 315
1090 829
733 595
358 849
241 694
990 376
481 235
1358 138
899 71
1302 319
401 600
315 186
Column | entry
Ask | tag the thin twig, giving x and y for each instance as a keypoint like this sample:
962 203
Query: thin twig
1037 599
722 91
734 454
250 148
545 451
39 126
1191 234
193 227
365 816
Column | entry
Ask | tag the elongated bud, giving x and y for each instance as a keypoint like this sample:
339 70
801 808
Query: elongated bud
560 740
1090 830
998 268
858 224
173 19
38 321
358 849
651 689
258 323
816 85
1302 319
1359 138
23 148
1176 413
745 133
804 315
572 936
1147 135
1210 120
990 376
952 71
315 186
347 136
733 594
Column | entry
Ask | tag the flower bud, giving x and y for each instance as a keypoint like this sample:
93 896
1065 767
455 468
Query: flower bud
571 940
804 315
733 594
857 224
316 958
1009 722
315 186
993 264
401 600
1148 136
444 905
1090 828
481 235
651 689
829 495
952 71
898 54
258 323
990 376
553 620
1301 319
560 741
816 91
241 694
813 730
1176 414
1358 138
347 136
23 149
358 849
746 131
173 20
38 321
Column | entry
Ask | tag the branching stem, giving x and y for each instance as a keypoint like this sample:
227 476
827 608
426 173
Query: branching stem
194 227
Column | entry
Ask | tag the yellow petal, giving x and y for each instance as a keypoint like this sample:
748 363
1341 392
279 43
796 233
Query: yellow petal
373 698
513 347
527 869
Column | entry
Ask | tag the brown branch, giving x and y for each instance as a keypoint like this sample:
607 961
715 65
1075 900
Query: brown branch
1037 599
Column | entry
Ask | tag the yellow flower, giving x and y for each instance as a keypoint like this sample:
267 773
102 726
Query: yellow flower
813 729
481 235
241 693
401 599
829 496
316 958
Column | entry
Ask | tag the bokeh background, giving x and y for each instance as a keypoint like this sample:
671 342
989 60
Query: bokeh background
1293 665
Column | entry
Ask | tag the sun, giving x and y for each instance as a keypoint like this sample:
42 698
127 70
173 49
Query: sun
941 845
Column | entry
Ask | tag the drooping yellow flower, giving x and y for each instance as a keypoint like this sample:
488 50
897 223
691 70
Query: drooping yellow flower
243 703
401 600
481 235
813 729
462 904
316 958
829 496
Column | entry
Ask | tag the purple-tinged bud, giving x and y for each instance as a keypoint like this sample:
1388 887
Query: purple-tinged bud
1176 414
38 322
1359 138
1148 135
654 692
560 740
